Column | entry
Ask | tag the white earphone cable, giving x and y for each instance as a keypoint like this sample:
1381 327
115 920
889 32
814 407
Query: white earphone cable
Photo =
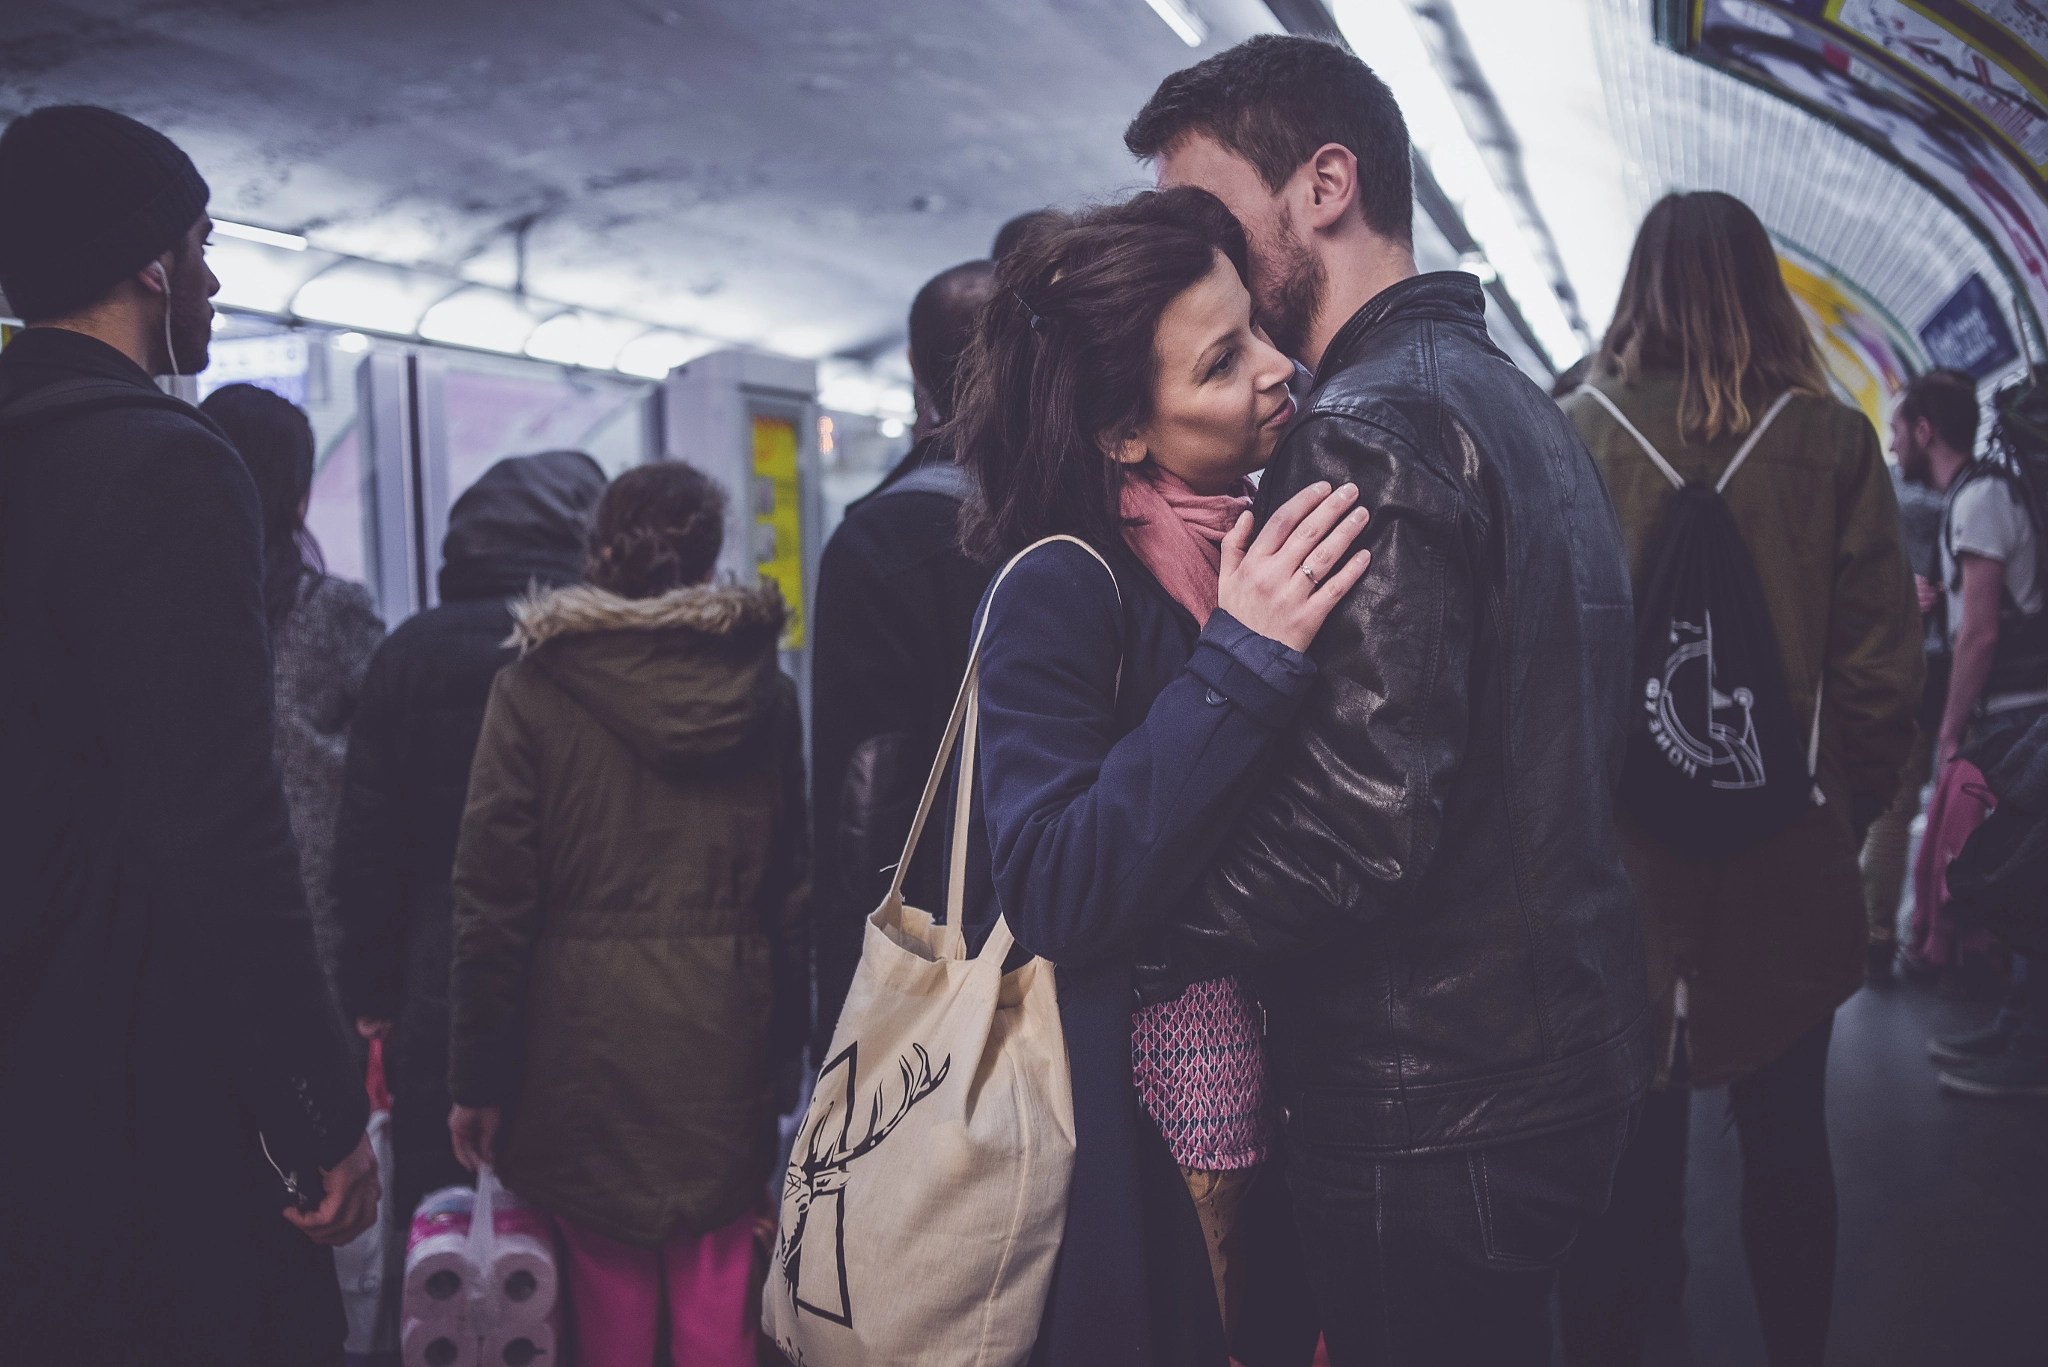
170 349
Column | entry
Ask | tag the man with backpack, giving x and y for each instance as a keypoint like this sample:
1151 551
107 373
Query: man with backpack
1993 603
184 1132
896 601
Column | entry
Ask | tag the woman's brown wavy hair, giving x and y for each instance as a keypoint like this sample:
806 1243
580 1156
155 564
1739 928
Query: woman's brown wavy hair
1063 354
1703 296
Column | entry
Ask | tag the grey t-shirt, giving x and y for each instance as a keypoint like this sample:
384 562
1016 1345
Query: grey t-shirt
1985 519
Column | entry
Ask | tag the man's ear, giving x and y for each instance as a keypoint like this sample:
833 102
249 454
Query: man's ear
1332 184
156 276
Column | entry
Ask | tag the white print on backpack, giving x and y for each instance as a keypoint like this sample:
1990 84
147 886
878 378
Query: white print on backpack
820 1174
1729 751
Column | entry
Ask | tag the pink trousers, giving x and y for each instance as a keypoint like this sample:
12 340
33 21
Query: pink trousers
616 1292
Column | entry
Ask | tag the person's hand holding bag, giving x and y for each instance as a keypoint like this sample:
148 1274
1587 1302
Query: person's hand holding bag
350 1203
1286 581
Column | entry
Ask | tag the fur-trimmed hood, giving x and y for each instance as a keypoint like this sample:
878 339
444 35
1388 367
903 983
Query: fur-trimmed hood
683 679
712 609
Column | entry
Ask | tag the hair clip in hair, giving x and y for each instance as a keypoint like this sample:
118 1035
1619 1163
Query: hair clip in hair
1036 321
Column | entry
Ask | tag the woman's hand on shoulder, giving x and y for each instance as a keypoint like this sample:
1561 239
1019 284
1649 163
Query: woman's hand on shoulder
1281 584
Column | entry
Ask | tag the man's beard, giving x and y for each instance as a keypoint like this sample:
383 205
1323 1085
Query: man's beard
1915 465
1291 304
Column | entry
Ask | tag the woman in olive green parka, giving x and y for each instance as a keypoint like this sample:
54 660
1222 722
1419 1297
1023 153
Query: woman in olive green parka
1754 948
631 955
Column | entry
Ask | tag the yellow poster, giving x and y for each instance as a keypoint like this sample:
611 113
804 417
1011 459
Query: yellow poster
778 525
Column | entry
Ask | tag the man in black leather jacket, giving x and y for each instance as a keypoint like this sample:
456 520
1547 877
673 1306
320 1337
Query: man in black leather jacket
1426 883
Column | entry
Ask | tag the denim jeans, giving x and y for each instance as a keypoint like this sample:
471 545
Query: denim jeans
1448 1258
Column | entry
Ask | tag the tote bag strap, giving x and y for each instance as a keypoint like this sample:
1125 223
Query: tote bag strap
963 728
1657 457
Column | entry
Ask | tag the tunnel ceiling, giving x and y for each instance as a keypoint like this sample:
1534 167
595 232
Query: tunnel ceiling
780 172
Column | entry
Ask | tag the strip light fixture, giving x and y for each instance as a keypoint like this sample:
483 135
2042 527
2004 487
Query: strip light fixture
291 242
1189 26
1383 34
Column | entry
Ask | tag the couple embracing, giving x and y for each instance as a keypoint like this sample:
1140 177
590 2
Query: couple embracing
1307 792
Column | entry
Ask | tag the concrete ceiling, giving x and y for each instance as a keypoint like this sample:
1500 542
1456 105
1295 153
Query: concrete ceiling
777 172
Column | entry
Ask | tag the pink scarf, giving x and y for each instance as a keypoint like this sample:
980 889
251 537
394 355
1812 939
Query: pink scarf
1179 534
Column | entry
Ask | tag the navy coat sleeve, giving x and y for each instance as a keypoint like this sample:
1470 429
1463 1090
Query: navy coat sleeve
1091 833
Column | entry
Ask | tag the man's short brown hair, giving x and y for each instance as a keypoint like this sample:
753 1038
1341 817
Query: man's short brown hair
1274 100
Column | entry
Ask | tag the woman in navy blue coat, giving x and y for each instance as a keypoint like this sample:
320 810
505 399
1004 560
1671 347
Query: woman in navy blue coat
1119 392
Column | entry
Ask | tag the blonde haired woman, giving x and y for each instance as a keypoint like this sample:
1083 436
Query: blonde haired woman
1750 951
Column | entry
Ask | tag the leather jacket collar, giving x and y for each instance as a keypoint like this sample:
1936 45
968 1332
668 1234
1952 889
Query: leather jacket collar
1454 296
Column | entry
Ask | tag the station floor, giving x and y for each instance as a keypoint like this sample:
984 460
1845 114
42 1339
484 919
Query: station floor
1944 1201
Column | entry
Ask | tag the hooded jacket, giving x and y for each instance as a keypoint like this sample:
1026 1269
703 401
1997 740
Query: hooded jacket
631 959
525 522
163 1019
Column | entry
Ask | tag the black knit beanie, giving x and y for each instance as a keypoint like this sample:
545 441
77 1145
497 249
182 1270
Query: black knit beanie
86 197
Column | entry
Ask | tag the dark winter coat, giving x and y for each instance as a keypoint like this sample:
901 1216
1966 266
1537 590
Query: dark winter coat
1771 939
319 658
526 522
1100 803
632 956
1429 878
896 600
160 1002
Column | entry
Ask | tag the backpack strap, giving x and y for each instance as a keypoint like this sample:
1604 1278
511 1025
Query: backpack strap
1657 457
944 478
1755 435
65 396
1614 411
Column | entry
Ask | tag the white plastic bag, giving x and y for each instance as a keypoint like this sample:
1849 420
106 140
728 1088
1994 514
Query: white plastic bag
364 1265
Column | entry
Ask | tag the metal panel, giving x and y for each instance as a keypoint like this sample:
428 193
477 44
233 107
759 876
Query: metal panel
385 415
427 372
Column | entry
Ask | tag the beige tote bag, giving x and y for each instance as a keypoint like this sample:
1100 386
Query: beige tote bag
927 1192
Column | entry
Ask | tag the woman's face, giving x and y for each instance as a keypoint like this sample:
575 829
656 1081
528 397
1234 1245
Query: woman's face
1221 397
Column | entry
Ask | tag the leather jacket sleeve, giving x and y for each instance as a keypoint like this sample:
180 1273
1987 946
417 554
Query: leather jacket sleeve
1345 821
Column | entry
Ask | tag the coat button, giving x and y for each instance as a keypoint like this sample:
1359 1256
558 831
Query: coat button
1215 699
1286 1115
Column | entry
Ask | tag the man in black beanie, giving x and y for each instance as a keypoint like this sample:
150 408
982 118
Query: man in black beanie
178 1095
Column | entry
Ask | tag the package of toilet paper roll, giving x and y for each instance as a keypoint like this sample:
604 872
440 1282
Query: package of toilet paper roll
481 1281
532 1345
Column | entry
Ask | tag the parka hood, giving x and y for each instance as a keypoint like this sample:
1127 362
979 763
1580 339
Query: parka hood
525 521
683 679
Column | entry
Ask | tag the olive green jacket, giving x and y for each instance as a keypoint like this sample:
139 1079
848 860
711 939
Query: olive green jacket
631 965
1770 940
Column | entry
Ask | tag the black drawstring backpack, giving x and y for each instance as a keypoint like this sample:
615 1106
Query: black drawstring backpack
1715 758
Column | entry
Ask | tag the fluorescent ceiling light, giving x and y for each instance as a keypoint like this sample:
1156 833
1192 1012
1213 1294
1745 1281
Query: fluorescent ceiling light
655 354
1382 33
261 279
489 319
364 294
291 242
1188 25
574 337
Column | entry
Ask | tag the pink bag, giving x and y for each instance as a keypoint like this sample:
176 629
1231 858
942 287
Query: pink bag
1961 802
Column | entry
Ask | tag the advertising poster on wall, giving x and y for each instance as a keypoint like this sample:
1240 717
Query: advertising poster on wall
1868 354
1956 91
